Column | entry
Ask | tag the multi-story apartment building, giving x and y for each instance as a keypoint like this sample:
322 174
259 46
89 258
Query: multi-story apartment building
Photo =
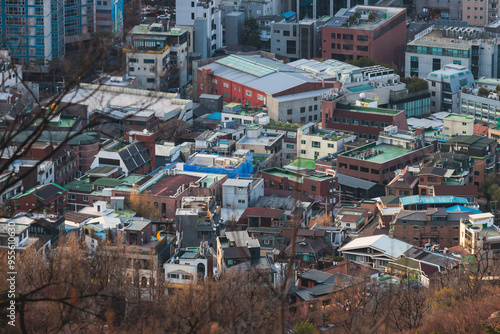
447 10
480 234
366 122
204 21
446 85
365 31
315 143
295 40
466 46
109 17
479 13
26 30
171 46
377 161
482 150
434 226
455 124
482 108
79 20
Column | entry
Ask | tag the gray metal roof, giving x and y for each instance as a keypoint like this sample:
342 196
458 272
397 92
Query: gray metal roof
354 182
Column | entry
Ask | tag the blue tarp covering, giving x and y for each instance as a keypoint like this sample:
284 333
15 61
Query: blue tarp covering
244 170
458 208
288 15
430 200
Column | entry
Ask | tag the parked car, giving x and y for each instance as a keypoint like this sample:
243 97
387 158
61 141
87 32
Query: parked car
163 17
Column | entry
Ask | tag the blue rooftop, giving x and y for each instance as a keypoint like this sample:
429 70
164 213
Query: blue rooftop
426 200
359 88
288 15
215 115
460 208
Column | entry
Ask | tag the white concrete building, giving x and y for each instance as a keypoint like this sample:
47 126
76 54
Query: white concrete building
446 84
205 16
315 143
469 47
455 125
238 194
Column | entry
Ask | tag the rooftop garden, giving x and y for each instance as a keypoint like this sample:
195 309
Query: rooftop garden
117 147
284 125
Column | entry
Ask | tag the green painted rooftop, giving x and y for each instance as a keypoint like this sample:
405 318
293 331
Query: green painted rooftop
108 182
82 184
459 117
385 152
373 110
303 163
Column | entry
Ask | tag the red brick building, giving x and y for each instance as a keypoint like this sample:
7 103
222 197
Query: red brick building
261 217
404 184
378 161
50 198
379 33
434 226
66 162
250 79
430 177
317 186
366 122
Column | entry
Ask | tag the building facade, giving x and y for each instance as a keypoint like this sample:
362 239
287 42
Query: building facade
379 33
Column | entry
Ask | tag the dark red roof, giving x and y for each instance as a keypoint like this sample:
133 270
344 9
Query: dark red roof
408 181
438 171
169 184
263 212
469 190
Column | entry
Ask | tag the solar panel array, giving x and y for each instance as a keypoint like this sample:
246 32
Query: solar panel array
337 21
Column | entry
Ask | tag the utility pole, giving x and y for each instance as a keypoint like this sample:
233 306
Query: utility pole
495 213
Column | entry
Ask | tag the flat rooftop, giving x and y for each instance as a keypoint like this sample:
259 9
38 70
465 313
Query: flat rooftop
169 184
385 152
384 14
165 105
459 117
303 163
267 140
379 111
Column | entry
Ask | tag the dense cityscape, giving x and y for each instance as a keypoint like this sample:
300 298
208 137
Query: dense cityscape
249 166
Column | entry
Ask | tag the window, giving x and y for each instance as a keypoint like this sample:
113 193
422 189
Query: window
365 122
241 201
362 38
248 93
316 144
336 120
149 61
225 85
362 47
347 47
303 109
346 121
303 142
313 188
85 198
286 33
374 124
348 37
302 151
289 112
